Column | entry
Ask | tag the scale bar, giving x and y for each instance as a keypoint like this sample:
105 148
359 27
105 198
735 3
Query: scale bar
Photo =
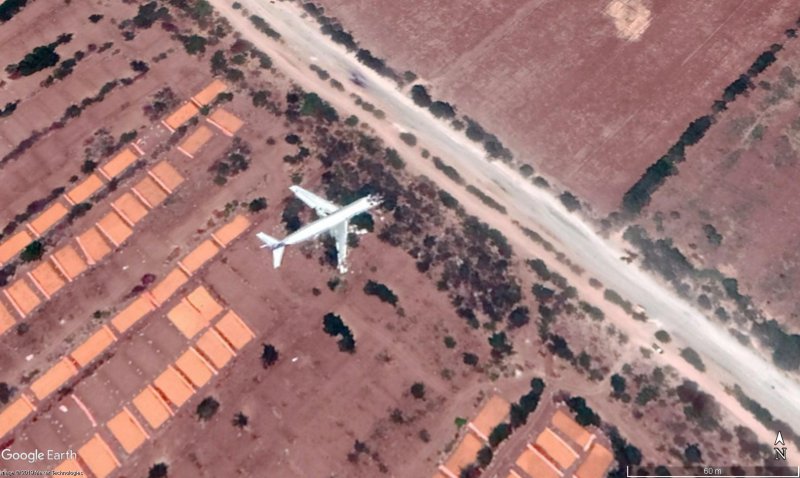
628 471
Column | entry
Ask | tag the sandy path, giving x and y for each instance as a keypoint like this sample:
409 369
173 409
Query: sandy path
726 359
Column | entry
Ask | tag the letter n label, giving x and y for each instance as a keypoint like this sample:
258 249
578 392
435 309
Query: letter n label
780 453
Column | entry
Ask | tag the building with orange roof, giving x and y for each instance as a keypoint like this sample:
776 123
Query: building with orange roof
201 300
22 297
127 430
93 346
130 208
227 233
44 221
149 192
98 457
234 330
6 319
152 407
54 378
173 386
513 474
493 412
441 474
195 368
132 314
14 245
556 449
84 190
186 319
569 427
199 256
47 278
118 163
69 262
534 464
114 228
15 413
180 116
93 246
171 283
215 349
465 453
596 463
166 176
191 145
209 93
227 122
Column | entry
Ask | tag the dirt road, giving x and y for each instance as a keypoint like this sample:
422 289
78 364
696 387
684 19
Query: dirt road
726 359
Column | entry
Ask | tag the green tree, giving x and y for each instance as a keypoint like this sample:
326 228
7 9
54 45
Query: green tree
32 252
498 434
194 44
257 204
41 57
485 456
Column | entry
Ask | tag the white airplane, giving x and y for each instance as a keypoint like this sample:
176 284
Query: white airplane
332 219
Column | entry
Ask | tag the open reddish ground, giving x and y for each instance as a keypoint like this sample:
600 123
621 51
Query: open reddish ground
742 179
558 83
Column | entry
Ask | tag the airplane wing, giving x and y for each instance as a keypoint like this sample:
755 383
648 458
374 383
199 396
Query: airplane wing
339 232
322 206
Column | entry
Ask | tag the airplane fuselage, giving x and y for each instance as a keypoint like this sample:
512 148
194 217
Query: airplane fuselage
314 229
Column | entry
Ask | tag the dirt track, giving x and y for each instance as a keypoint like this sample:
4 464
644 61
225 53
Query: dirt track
726 359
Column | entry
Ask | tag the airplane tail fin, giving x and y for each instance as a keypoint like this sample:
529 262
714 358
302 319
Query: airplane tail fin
275 245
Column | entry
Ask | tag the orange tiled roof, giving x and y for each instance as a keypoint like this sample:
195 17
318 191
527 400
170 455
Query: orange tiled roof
85 189
213 347
93 245
14 245
132 314
201 300
69 261
234 330
93 346
22 297
195 367
209 93
98 457
47 278
230 231
54 378
48 218
152 407
173 386
127 430
119 163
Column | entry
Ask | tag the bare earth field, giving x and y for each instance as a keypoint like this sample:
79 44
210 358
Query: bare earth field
310 410
603 98
742 179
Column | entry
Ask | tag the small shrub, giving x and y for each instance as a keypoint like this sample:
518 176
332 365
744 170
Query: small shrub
408 139
418 390
379 290
691 356
269 355
207 408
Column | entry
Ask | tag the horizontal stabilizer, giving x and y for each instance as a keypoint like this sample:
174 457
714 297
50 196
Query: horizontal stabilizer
277 256
275 245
